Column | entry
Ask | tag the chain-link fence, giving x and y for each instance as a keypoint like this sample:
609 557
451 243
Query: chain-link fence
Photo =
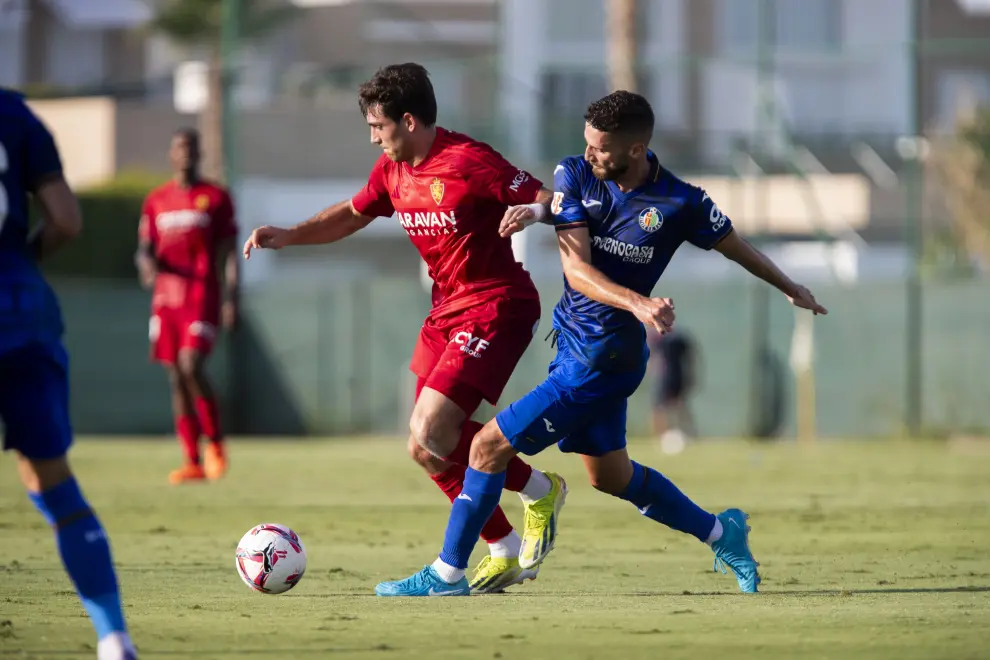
844 137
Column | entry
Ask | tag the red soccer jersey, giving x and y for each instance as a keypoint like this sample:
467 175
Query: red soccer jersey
186 227
451 205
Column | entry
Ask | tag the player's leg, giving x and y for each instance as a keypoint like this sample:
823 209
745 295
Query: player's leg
197 344
687 419
441 432
612 471
658 408
500 568
673 438
34 408
165 334
469 513
519 428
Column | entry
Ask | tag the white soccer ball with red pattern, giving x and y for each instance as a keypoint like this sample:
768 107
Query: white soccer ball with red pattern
271 558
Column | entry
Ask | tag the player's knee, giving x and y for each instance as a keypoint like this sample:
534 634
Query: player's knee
419 454
432 434
41 475
490 451
188 366
174 377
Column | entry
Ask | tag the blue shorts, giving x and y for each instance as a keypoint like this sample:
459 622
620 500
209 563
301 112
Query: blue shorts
580 409
34 400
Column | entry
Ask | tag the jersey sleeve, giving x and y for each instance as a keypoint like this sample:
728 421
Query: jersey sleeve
707 225
42 162
224 218
491 176
373 200
147 232
566 207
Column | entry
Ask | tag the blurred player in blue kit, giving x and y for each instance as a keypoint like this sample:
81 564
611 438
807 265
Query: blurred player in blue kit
34 380
619 217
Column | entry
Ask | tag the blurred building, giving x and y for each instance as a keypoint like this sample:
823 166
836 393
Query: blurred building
828 68
788 112
50 44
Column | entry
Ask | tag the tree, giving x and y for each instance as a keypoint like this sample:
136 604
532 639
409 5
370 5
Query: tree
200 23
621 44
962 163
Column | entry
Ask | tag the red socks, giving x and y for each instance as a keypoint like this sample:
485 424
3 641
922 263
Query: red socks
516 474
187 429
209 418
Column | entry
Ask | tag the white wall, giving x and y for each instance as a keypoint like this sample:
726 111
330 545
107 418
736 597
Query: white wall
861 83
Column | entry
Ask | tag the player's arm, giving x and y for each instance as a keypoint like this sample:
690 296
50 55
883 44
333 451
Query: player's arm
328 226
575 256
227 254
144 258
332 223
738 249
709 229
61 219
519 217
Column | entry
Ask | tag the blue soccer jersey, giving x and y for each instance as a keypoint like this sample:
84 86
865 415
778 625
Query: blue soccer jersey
34 392
28 158
602 353
633 237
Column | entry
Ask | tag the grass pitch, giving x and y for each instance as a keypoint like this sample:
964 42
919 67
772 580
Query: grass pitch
868 550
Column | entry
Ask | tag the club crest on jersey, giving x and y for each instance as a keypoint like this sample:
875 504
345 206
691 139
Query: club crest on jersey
650 220
436 189
202 202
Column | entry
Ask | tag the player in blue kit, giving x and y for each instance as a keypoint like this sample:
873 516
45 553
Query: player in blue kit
34 387
619 216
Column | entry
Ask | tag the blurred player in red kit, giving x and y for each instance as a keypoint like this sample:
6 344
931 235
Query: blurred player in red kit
450 193
187 229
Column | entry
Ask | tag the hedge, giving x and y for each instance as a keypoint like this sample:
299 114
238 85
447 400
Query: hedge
110 220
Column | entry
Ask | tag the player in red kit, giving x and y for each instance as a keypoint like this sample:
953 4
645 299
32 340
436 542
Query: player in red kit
187 228
449 193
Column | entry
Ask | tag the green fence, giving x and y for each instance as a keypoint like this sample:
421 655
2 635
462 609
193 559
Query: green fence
334 360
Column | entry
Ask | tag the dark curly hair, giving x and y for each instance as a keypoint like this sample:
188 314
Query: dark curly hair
622 112
400 88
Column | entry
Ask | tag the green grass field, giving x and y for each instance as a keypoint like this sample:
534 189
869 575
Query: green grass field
869 550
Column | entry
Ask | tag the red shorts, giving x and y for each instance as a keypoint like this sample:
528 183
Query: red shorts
173 329
478 348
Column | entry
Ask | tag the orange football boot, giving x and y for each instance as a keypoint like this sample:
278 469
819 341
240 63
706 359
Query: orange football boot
186 473
215 460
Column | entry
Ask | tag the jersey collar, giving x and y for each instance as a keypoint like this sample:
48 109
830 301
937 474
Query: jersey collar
655 171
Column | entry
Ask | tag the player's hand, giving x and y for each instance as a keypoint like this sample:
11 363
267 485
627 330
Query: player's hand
147 275
228 315
266 238
802 298
656 312
516 219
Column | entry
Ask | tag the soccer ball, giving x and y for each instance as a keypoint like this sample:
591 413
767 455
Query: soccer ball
270 558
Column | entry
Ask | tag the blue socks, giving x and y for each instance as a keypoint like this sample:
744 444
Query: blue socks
85 553
469 513
658 498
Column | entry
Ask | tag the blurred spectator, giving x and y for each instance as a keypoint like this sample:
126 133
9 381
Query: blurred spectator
673 359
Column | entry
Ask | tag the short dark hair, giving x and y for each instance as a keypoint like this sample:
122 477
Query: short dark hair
189 133
400 88
621 112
